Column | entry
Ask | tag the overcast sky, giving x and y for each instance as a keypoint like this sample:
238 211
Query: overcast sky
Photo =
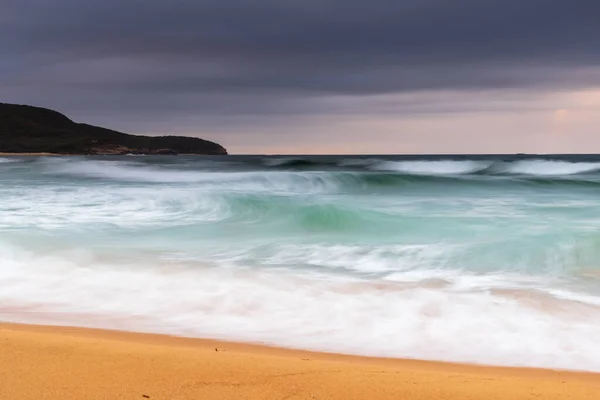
316 76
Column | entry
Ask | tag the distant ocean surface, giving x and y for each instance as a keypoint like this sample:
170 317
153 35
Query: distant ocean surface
484 259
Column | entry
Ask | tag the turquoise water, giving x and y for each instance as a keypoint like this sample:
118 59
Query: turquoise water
482 259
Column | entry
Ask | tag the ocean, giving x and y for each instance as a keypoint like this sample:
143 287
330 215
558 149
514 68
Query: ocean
480 259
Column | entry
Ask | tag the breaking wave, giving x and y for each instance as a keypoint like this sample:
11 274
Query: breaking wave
534 167
547 168
343 175
433 167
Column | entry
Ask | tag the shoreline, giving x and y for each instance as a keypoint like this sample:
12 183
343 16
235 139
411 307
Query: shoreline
31 154
38 361
82 154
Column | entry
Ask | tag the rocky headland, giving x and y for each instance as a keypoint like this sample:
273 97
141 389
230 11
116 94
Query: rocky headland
27 129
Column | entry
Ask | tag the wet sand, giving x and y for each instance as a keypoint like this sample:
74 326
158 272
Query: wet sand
39 362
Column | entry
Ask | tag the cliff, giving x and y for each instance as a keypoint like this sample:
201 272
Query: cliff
27 129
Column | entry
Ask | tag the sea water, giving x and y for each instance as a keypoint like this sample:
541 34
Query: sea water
482 259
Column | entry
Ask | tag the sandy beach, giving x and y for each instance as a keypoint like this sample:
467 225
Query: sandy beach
39 362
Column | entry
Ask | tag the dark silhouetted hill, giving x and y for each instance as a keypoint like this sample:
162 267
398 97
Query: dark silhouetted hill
27 129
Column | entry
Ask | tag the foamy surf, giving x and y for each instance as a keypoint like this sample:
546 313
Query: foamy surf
433 167
314 253
548 168
458 320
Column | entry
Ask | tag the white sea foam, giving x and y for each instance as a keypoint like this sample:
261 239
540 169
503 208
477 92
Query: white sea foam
125 171
251 181
433 167
547 168
124 207
453 167
460 320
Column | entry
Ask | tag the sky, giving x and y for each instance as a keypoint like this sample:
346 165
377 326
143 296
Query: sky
316 76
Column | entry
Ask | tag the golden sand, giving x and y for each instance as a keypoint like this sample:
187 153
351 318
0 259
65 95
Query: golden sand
38 362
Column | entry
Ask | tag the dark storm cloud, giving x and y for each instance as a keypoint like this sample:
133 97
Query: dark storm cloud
259 57
315 45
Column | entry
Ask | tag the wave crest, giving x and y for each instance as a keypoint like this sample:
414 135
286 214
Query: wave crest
433 167
547 168
531 167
